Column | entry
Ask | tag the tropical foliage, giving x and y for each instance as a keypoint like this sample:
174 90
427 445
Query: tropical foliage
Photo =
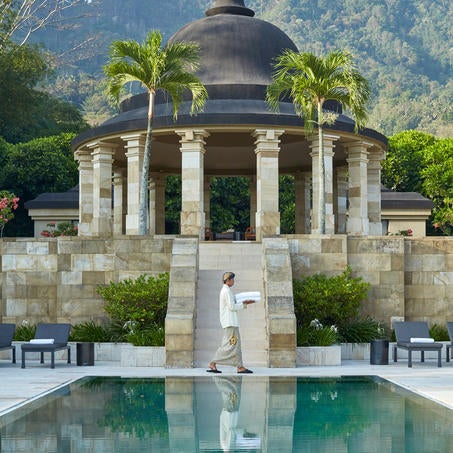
420 162
31 168
330 301
311 81
137 308
169 68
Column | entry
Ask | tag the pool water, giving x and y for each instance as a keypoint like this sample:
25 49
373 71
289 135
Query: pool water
229 413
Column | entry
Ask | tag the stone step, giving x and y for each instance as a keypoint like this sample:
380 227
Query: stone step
245 260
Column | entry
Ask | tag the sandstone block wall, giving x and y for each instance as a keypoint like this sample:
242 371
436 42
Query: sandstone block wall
411 278
55 280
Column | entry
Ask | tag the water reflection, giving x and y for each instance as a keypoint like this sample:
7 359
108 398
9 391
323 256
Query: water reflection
228 413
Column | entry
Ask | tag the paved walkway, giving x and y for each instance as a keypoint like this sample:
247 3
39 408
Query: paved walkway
18 386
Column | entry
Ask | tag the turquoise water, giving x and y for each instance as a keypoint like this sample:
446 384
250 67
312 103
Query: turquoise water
229 413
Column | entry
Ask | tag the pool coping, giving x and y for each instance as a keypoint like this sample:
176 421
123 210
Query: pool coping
22 386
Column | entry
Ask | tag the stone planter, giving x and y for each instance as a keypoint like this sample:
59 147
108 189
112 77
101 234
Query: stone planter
127 355
114 354
318 355
355 351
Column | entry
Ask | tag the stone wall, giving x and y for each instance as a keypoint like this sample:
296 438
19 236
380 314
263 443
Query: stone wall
55 280
411 278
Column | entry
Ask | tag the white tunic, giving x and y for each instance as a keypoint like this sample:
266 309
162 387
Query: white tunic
228 308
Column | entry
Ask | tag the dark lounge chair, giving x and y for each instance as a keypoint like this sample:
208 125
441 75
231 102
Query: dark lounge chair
450 334
415 330
6 338
59 333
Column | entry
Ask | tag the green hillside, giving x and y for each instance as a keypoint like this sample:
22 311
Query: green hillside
404 47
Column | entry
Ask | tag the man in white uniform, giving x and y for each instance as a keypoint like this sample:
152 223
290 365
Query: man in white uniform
229 352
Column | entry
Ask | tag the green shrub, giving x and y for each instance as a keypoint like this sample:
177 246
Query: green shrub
137 309
154 336
91 332
317 335
25 332
363 331
142 301
332 300
439 333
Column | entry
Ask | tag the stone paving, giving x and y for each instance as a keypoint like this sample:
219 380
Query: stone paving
19 386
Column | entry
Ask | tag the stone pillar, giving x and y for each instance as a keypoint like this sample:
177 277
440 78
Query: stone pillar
252 191
358 188
102 188
160 204
192 171
374 193
341 199
157 204
118 201
267 149
328 143
135 145
207 201
302 189
83 157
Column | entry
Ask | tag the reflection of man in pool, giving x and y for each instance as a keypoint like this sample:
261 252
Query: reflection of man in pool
232 437
229 351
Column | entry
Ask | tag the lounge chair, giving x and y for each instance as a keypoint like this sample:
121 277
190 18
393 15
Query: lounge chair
414 336
450 334
6 338
48 338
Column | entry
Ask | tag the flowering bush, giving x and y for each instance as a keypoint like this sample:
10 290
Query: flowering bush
317 335
62 229
8 204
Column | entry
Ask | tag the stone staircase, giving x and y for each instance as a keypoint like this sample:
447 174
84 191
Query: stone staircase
245 260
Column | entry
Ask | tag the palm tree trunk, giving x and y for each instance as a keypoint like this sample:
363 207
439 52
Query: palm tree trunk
143 197
322 170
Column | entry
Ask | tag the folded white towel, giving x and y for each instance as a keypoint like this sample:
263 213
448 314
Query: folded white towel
250 295
42 341
422 340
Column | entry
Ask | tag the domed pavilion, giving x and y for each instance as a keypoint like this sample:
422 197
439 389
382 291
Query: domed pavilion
236 135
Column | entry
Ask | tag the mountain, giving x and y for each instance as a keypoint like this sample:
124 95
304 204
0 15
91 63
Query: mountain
404 47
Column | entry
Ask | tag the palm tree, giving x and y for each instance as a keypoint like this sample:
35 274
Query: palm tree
310 81
170 68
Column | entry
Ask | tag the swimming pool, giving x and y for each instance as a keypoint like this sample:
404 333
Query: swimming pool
229 413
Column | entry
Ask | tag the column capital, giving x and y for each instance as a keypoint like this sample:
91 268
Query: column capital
362 144
82 155
191 135
268 134
328 140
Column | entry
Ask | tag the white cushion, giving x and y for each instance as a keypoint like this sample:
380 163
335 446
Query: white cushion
422 340
42 341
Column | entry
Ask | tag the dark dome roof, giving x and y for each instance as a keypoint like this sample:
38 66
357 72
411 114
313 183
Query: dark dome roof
235 47
237 56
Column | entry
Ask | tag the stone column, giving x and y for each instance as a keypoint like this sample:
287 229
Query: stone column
267 149
341 199
102 188
207 201
374 192
192 171
302 189
157 204
135 146
84 159
118 201
358 188
252 191
328 144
